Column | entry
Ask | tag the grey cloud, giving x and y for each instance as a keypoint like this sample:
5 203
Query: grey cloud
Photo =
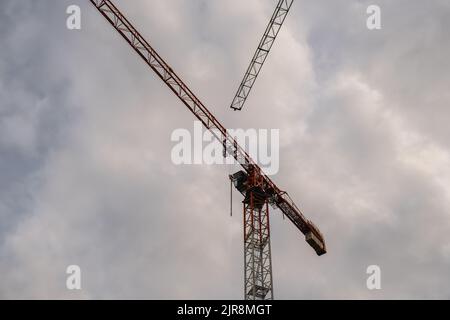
86 176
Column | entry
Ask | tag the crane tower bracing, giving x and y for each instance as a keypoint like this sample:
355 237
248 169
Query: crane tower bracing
260 56
254 184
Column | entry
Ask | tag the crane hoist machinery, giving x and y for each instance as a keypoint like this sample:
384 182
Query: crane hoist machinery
258 189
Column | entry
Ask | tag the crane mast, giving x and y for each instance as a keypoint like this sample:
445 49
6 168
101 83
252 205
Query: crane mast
260 56
259 190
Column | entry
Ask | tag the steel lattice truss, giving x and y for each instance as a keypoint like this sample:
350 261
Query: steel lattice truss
261 53
257 251
275 196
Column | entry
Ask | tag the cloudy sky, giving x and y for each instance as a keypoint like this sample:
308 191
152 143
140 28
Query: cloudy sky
86 176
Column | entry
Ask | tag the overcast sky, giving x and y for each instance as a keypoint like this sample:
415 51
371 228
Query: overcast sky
86 176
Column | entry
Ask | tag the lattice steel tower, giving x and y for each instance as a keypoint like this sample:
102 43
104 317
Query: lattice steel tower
257 254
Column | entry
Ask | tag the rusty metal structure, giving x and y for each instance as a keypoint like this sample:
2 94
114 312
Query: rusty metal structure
260 56
258 189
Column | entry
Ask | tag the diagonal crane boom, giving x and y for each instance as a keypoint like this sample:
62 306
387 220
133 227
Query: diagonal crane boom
266 43
275 196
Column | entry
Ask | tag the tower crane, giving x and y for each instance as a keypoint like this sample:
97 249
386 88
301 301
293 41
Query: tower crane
266 43
258 189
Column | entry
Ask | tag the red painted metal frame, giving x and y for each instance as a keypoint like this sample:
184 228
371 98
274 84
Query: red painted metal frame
279 198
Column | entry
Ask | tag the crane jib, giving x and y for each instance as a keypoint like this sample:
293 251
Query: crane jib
260 56
182 91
